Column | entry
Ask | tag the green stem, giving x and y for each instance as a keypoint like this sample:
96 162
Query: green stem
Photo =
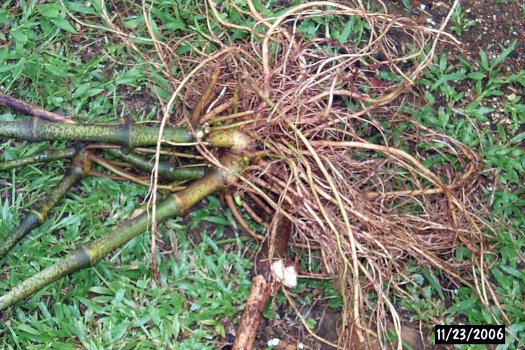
233 139
45 156
37 215
166 169
127 135
91 253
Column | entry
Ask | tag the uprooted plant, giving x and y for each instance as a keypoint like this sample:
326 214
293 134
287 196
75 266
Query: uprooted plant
284 125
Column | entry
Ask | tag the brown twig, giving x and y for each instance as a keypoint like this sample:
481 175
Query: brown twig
197 110
238 217
263 284
33 111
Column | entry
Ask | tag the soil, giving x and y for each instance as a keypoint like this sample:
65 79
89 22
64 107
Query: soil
485 25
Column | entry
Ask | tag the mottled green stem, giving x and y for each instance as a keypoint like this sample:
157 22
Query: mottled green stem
233 139
91 253
127 135
79 168
166 170
45 156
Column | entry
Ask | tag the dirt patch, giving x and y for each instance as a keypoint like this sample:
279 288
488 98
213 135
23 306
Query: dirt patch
479 25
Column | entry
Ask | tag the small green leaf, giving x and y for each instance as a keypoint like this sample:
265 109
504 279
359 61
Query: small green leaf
513 272
518 138
79 7
476 75
175 25
216 220
433 282
503 55
101 290
18 35
62 23
484 60
18 68
501 132
28 329
502 279
134 22
49 11
4 16
347 30
407 4
219 328
430 98
311 323
442 63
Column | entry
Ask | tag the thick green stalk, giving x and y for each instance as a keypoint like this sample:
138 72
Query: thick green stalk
233 139
166 169
91 253
45 156
79 168
127 135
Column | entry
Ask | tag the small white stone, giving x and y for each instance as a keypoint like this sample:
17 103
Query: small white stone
511 97
274 342
290 277
286 275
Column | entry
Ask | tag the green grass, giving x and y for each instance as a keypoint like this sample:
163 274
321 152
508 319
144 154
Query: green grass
477 105
116 304
458 24
52 62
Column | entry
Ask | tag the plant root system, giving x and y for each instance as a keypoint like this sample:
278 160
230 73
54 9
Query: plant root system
316 119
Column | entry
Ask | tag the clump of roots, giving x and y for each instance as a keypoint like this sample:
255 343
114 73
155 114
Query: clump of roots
322 114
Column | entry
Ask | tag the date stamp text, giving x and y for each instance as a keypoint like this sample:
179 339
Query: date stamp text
465 334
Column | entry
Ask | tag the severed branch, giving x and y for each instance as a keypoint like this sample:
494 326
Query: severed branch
89 254
44 156
269 271
260 292
79 168
166 169
31 110
127 135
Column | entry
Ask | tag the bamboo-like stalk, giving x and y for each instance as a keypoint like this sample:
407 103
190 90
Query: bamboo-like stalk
166 170
45 156
233 139
91 253
127 135
78 169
